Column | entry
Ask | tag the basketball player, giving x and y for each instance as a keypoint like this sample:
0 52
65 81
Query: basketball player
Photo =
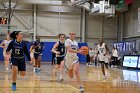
32 56
37 54
19 49
102 51
71 59
4 45
59 50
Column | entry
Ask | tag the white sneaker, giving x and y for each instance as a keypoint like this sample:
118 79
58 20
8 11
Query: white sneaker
81 89
104 77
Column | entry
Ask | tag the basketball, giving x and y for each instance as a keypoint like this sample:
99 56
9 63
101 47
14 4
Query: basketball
84 49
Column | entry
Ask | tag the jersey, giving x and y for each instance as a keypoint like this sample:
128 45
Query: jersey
73 45
61 49
19 49
101 51
71 58
38 47
91 53
115 52
5 43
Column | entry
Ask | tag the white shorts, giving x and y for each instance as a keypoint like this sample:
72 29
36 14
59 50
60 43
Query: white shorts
4 53
70 60
32 55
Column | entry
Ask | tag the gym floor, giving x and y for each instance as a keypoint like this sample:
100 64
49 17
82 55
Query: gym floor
117 81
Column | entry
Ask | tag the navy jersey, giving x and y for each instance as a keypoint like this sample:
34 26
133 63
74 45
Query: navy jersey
61 48
38 47
19 49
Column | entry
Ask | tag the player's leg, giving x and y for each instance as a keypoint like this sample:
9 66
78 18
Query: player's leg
77 74
38 63
102 68
22 68
14 73
61 69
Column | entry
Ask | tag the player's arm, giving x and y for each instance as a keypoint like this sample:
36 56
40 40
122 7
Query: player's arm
2 44
68 48
96 50
72 50
10 46
107 49
31 48
55 47
27 52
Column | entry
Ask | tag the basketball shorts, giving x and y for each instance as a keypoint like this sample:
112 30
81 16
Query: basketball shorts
70 60
59 60
20 63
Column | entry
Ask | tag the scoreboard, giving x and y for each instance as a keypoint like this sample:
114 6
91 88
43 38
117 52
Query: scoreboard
3 20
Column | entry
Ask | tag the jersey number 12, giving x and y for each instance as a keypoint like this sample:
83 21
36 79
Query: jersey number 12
17 51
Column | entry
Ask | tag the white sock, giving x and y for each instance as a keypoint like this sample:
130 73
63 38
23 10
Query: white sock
61 76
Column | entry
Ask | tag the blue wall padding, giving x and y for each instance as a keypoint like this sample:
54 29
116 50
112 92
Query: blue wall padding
1 53
47 54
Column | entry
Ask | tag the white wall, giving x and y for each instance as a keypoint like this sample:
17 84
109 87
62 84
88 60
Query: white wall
97 26
51 24
51 20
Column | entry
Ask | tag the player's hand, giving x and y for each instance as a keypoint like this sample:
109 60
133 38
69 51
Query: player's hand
31 62
57 53
80 51
3 46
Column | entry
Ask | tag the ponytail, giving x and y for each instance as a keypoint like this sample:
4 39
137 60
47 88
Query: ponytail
13 34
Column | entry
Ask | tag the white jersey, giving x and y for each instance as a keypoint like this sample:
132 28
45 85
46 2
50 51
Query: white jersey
71 58
91 53
115 52
5 43
102 51
73 45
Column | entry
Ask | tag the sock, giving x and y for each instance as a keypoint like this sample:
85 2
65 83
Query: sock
38 68
61 76
14 83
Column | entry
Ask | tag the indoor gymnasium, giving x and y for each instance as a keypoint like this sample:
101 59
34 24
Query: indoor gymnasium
69 46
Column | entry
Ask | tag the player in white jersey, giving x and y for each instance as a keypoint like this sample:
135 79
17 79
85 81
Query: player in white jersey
102 50
32 56
71 59
4 45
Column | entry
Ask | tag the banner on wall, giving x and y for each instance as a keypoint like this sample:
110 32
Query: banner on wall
125 46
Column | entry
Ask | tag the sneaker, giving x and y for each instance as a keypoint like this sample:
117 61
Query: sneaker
61 80
39 70
13 87
36 70
81 89
104 77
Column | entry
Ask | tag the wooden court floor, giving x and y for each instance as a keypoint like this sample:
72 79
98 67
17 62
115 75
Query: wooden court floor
117 81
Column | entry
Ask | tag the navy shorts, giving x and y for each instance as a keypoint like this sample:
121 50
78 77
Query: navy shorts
59 60
37 55
103 62
20 63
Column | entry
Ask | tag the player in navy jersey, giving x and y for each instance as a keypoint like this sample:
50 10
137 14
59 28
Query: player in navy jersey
19 49
38 48
59 50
